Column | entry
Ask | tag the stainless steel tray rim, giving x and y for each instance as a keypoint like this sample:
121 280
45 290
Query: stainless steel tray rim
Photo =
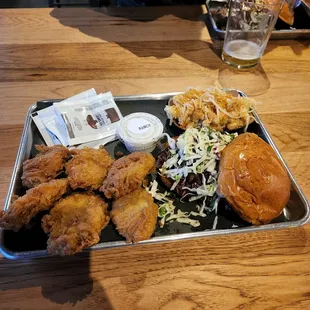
18 156
162 239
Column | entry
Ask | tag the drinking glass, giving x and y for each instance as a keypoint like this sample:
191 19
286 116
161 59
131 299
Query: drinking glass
248 29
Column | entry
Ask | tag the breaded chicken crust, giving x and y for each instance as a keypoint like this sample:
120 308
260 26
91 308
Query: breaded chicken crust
40 198
88 168
127 174
135 215
75 223
47 165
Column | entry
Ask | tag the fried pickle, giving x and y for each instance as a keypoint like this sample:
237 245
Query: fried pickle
40 198
75 223
88 168
135 215
127 174
47 165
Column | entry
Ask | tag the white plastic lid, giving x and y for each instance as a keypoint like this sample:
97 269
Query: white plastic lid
140 129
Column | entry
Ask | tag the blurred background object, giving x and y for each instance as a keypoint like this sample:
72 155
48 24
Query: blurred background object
50 3
306 4
92 3
287 12
294 21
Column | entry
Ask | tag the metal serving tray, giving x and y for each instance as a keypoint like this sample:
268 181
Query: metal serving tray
32 243
302 19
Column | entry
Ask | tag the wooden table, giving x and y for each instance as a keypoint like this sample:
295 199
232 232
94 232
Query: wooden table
47 53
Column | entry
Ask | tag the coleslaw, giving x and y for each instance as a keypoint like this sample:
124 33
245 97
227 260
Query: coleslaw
195 156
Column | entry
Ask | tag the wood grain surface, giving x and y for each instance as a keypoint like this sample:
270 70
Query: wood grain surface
57 53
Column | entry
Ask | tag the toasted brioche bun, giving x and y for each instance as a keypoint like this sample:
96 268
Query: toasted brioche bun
253 179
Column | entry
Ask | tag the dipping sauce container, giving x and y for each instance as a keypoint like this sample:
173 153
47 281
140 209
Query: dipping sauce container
140 131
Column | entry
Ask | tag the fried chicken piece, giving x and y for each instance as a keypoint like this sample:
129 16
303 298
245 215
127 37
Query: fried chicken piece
127 174
135 215
75 223
88 168
40 198
47 165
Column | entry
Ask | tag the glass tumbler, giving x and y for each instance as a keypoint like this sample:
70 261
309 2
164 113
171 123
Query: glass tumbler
248 29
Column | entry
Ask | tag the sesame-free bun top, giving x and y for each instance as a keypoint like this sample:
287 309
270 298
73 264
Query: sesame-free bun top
253 179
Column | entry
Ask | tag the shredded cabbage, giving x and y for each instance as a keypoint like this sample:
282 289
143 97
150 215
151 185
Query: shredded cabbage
215 222
197 151
166 208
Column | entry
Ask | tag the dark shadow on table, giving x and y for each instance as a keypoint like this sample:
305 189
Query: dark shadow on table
97 22
62 279
194 50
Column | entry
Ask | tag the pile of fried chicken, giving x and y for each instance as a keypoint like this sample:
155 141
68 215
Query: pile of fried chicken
77 203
